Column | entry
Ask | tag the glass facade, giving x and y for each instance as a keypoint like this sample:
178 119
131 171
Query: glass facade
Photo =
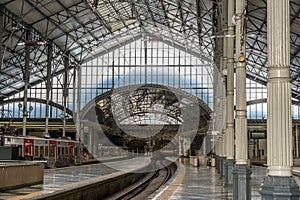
139 62
256 91
15 109
144 62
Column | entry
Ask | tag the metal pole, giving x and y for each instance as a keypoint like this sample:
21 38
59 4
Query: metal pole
74 92
26 74
78 102
48 86
65 93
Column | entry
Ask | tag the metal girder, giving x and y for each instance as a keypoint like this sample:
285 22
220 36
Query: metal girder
185 24
37 54
31 99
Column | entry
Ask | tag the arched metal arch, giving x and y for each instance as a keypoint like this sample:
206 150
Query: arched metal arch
43 101
205 110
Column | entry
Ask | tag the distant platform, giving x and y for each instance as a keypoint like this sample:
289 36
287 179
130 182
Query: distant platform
63 180
15 174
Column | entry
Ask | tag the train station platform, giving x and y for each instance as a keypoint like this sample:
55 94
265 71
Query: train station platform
205 183
62 180
190 183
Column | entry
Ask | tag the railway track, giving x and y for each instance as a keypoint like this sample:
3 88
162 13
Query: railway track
149 184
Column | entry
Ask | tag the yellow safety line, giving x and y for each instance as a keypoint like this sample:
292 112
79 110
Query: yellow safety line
169 190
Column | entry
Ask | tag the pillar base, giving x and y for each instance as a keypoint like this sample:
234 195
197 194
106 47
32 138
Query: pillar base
241 182
279 187
228 173
221 164
217 163
223 167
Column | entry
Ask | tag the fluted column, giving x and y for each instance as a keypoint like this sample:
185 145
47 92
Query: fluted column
241 106
241 172
224 66
230 84
279 122
229 94
279 183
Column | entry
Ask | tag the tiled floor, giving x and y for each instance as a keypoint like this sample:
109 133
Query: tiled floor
205 183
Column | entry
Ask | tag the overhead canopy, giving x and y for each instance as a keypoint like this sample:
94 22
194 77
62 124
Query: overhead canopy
84 29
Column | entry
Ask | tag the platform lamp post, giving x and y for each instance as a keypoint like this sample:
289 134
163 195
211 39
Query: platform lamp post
64 117
26 72
65 92
48 87
26 113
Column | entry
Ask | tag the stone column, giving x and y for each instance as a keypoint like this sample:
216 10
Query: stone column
224 71
218 95
224 138
279 183
221 139
241 173
230 95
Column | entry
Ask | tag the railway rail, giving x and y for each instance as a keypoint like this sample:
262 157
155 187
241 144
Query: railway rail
162 172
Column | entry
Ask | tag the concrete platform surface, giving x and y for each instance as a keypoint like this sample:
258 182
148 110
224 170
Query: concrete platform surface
63 178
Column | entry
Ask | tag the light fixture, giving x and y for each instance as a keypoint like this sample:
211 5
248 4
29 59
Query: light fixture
31 43
241 57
